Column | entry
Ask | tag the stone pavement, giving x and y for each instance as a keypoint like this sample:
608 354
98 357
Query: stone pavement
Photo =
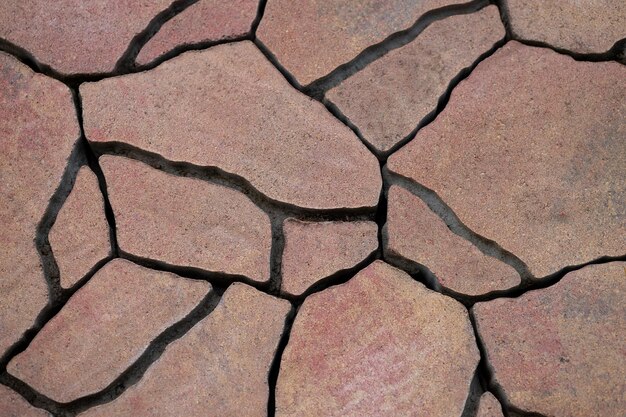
314 208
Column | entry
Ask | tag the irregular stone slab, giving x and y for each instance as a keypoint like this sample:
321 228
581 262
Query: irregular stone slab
415 232
38 129
103 329
229 107
579 26
13 405
489 406
220 366
315 250
80 235
389 97
187 221
543 175
560 351
312 38
381 344
74 36
206 20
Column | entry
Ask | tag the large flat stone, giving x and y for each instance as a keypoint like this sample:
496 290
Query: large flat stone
381 344
229 107
389 97
530 152
13 405
187 221
489 406
103 329
219 367
38 129
559 351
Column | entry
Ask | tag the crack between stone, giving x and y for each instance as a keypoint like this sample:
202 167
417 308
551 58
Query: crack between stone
272 379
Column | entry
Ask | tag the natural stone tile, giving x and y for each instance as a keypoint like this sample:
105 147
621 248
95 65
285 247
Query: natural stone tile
38 129
75 36
229 107
13 405
220 366
311 38
315 250
103 329
489 406
80 235
559 351
389 97
206 20
579 26
415 232
530 152
381 344
186 221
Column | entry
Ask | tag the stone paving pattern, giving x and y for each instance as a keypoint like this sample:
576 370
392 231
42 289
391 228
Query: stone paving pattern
316 208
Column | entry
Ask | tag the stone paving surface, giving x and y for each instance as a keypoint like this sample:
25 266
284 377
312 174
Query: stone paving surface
316 208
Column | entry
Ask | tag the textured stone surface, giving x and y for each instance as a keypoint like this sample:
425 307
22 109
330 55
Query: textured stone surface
312 38
389 97
229 107
560 351
75 36
13 405
416 233
103 329
579 26
543 173
489 406
371 347
206 20
80 235
38 129
315 250
186 221
220 366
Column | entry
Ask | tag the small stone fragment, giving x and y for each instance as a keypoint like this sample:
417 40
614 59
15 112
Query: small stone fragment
559 351
80 235
104 328
381 344
13 405
219 367
206 20
229 107
416 233
187 221
315 250
388 98
489 406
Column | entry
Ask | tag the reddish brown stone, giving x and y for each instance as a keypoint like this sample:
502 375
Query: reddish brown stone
315 250
416 233
579 26
75 36
206 20
560 351
13 405
187 221
489 406
103 328
312 38
38 129
388 98
80 235
219 367
229 107
543 173
381 344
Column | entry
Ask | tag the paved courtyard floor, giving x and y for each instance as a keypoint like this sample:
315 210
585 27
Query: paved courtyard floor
313 208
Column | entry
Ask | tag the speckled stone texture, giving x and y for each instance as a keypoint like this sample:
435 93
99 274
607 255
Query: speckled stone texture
315 250
589 26
219 367
388 99
238 113
489 406
559 351
38 129
13 405
530 152
371 347
195 223
92 341
80 235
